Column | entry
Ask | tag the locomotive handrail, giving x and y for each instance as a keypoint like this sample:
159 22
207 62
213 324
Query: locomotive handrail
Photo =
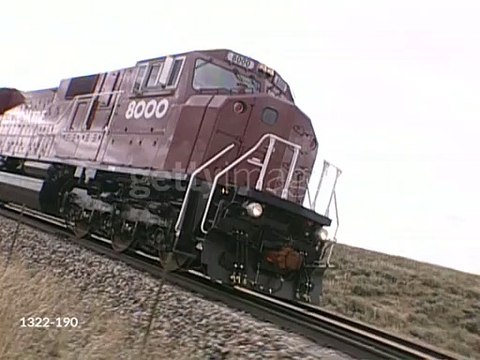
272 139
266 161
288 180
326 165
183 209
334 239
332 197
330 243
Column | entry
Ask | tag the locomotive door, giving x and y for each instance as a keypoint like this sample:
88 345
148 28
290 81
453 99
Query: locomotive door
233 117
93 100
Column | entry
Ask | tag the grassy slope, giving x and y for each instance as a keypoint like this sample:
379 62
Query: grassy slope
437 305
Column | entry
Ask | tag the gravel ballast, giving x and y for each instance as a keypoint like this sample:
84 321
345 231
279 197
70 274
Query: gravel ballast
199 328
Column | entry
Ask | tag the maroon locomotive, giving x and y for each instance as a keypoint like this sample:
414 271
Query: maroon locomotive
200 158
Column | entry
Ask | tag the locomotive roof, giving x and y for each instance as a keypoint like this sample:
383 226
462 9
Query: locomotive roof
222 55
216 53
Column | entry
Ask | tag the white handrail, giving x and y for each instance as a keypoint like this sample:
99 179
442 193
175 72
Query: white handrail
266 161
183 209
324 171
239 160
296 151
336 214
327 211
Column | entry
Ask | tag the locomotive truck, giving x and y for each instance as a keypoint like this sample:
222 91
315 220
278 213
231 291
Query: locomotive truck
201 159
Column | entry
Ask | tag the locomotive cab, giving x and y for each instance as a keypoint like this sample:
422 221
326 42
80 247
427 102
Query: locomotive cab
253 228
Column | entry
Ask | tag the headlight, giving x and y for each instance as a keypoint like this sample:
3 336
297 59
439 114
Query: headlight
254 209
321 234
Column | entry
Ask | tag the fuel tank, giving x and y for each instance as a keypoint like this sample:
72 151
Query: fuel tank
20 189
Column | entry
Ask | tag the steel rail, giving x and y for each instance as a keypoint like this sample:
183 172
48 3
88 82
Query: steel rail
324 327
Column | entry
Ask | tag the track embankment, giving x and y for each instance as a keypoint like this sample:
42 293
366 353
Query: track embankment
48 276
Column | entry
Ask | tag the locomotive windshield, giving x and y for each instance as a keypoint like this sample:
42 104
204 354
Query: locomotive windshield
209 76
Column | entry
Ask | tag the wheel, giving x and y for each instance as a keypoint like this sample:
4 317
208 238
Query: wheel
77 220
123 236
169 261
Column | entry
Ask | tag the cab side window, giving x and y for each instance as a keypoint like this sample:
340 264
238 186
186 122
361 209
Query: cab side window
140 77
157 76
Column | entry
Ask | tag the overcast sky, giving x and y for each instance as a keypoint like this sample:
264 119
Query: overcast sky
392 87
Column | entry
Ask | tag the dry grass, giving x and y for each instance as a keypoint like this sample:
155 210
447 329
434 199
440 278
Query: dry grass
99 335
437 305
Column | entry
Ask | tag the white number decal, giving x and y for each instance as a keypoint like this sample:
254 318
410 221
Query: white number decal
142 109
139 109
130 108
161 109
150 109
240 60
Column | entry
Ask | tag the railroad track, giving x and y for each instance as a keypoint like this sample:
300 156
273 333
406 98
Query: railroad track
324 327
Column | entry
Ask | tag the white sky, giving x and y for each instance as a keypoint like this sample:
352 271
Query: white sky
393 88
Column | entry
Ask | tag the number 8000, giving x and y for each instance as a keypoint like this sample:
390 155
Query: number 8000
143 109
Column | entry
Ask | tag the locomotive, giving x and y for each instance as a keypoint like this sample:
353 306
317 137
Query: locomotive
201 159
